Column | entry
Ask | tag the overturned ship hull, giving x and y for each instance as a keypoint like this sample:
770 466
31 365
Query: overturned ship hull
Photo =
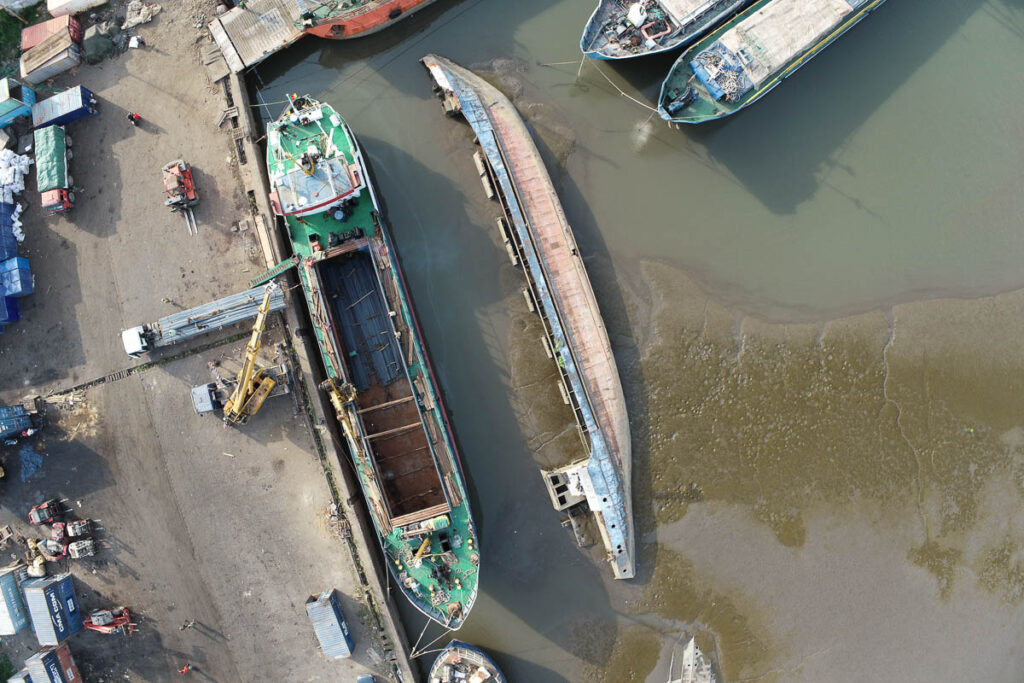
576 336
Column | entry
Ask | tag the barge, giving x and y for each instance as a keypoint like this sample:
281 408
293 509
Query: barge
379 377
539 236
622 31
747 57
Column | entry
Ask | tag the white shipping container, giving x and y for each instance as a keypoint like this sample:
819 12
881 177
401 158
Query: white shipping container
68 59
59 8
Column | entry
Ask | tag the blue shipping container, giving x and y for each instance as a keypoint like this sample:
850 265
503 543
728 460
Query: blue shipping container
13 617
329 625
13 419
53 665
72 104
53 608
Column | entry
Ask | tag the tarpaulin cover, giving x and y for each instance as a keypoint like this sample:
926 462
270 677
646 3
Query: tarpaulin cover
51 163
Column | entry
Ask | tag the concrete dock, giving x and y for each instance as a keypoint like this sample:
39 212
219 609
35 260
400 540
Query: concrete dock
233 528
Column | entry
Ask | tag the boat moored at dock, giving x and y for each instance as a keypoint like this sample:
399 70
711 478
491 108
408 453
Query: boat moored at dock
617 30
461 662
340 20
379 378
750 55
538 235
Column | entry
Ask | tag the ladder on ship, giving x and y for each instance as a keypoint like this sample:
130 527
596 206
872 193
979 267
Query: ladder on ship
270 274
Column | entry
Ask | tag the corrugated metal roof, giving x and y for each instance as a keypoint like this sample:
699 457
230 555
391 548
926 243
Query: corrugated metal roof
329 625
253 33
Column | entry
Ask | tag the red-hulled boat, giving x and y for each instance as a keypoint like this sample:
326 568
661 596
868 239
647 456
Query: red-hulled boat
342 19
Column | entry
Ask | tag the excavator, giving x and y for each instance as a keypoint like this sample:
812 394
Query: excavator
252 386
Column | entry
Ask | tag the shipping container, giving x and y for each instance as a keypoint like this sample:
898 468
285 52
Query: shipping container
53 608
14 420
37 33
329 625
15 100
59 8
52 57
72 104
13 617
53 665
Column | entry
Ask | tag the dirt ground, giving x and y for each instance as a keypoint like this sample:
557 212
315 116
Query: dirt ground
223 526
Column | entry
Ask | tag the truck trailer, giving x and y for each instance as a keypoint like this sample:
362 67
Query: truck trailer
53 153
63 108
196 321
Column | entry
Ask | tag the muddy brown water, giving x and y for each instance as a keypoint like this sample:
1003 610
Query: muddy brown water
814 308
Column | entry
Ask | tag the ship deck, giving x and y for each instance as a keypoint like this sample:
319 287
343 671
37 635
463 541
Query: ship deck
385 399
707 107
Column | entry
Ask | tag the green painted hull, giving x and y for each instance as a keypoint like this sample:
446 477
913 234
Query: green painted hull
704 106
394 422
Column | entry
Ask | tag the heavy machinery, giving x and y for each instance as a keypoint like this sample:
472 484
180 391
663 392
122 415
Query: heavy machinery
181 190
253 385
197 321
46 512
118 620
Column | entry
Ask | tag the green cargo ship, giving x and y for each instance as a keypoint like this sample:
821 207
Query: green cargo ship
379 377
745 58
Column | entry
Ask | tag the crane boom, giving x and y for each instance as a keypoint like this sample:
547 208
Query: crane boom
251 379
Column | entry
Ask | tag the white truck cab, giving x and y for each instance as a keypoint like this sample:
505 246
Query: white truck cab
135 341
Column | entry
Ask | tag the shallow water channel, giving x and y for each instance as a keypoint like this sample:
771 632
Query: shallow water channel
815 312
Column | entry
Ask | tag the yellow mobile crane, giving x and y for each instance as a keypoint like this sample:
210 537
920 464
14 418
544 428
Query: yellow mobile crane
253 385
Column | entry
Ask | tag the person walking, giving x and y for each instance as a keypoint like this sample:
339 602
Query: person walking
134 118
188 624
185 669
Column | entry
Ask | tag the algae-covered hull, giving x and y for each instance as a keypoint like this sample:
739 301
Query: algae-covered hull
750 55
379 377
